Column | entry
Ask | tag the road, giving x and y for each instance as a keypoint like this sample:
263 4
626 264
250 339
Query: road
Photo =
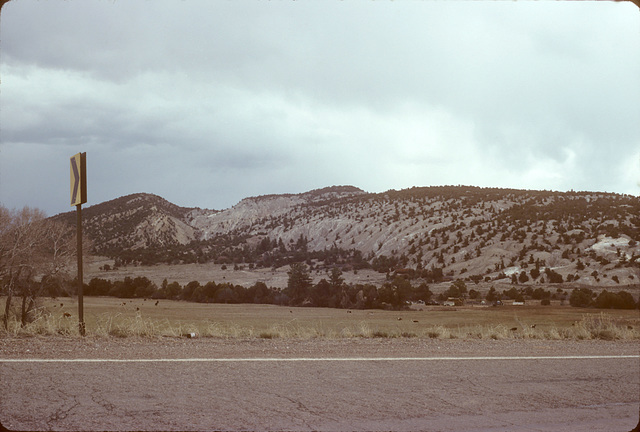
550 392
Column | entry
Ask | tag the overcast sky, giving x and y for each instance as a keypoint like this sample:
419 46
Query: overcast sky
208 102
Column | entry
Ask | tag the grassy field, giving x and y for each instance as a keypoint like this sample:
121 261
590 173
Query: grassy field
111 317
203 273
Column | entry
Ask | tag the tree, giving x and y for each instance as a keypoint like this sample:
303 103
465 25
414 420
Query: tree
402 289
225 294
492 295
189 289
260 293
435 274
535 272
458 289
35 253
18 238
554 277
335 278
540 293
174 289
610 300
322 293
523 277
581 297
422 292
143 287
298 283
513 294
371 297
461 286
98 287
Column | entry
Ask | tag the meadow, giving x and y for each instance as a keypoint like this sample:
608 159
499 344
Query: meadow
112 317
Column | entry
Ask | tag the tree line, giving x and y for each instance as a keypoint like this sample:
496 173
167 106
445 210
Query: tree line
395 294
330 292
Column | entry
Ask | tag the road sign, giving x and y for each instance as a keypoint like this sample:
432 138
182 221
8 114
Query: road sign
78 179
79 197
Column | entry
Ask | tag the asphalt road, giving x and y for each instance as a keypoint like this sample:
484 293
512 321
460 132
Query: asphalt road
465 393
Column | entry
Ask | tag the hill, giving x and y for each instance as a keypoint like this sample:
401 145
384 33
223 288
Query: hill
135 222
434 233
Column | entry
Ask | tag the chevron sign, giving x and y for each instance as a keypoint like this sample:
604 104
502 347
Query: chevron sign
78 179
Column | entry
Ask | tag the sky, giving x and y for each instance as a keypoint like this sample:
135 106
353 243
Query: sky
205 103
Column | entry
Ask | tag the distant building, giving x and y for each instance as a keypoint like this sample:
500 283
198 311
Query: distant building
453 301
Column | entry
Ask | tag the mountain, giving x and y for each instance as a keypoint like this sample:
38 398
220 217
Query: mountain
479 234
134 222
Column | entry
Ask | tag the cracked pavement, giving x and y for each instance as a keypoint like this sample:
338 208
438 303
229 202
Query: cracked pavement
462 395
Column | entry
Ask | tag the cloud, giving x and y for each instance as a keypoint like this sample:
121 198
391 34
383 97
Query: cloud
205 103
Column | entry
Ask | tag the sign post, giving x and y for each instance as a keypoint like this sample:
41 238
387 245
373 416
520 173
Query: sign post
79 197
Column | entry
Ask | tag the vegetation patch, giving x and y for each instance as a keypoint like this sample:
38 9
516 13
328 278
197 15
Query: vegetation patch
106 317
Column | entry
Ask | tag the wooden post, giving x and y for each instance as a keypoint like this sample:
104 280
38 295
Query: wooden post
78 171
81 325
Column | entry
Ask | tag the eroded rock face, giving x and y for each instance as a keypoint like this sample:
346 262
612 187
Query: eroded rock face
256 214
164 229
242 216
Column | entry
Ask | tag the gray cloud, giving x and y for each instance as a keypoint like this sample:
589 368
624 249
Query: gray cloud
205 103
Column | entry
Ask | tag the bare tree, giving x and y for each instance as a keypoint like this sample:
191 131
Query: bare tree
59 248
54 260
33 251
21 235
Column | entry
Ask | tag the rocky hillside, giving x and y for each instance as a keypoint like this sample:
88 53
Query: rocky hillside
134 223
255 211
437 233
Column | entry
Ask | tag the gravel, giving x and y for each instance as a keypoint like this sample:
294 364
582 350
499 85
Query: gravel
53 347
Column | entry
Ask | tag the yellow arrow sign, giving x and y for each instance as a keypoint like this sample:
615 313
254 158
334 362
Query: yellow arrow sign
78 179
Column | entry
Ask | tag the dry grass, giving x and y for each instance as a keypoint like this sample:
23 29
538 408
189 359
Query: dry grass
109 317
203 273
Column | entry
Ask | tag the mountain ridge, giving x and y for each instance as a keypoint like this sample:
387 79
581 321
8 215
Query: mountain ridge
464 231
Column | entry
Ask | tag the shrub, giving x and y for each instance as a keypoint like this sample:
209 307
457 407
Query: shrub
580 297
540 293
609 300
553 276
534 273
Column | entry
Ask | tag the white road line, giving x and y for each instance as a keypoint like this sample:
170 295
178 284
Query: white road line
317 359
